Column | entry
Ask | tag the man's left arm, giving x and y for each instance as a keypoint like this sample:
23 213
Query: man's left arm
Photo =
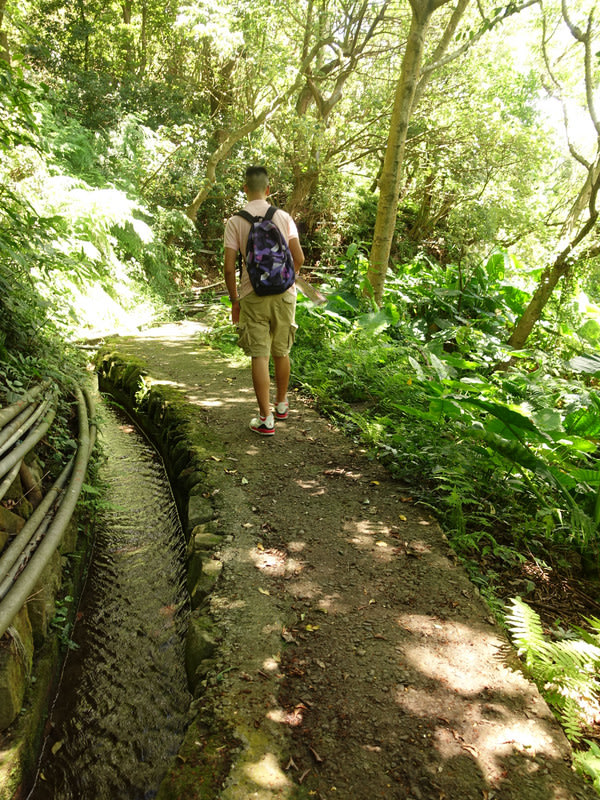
229 272
297 253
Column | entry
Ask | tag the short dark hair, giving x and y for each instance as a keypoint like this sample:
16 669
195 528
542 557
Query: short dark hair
257 179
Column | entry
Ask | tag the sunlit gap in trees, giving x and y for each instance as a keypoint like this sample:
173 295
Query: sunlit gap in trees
98 313
521 40
98 287
587 307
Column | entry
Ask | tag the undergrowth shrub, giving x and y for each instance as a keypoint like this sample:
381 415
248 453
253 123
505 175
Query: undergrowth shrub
566 668
506 460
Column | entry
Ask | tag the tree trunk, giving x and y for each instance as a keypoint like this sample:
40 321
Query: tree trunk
128 54
305 184
144 39
553 273
583 198
4 48
586 199
548 281
422 10
218 155
389 185
84 25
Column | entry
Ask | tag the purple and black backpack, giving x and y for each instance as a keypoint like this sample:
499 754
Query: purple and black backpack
268 259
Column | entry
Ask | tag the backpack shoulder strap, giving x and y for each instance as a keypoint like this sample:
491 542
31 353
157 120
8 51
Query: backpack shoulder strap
271 212
245 215
249 218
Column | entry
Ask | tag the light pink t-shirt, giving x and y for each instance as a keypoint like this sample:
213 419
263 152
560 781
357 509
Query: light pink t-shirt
237 230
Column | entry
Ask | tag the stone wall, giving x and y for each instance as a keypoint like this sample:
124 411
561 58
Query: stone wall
180 434
30 655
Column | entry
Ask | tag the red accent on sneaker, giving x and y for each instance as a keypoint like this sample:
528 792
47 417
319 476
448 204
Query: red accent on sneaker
282 410
261 425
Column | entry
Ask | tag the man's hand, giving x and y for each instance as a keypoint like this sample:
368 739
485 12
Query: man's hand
235 312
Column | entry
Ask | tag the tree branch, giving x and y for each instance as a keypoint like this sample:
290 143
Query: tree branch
487 26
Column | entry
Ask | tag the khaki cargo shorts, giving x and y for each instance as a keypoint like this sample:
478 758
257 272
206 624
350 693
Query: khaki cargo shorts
267 325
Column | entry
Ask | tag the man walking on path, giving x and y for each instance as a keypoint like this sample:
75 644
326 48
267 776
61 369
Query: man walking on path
266 324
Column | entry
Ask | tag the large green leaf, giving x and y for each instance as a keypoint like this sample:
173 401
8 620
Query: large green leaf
445 406
589 476
589 364
373 323
516 299
590 331
496 266
584 422
443 370
548 420
417 368
508 416
413 411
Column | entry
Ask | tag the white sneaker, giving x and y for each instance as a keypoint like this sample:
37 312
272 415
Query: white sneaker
282 410
263 425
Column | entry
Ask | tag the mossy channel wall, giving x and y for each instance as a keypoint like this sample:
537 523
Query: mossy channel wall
183 439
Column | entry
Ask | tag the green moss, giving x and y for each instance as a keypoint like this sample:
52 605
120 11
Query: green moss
20 747
201 766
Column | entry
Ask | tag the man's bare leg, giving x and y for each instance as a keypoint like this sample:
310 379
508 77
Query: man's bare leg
282 376
262 384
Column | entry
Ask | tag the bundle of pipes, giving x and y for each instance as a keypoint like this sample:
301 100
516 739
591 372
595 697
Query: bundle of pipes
22 425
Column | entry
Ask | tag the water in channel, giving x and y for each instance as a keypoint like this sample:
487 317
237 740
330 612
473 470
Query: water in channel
120 713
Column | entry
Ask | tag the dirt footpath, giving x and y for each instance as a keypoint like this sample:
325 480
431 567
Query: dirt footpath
356 659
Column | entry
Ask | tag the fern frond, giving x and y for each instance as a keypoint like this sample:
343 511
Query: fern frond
594 624
576 655
584 422
567 671
589 762
526 628
572 720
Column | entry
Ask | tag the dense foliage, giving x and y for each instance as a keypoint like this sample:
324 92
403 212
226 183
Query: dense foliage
472 367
